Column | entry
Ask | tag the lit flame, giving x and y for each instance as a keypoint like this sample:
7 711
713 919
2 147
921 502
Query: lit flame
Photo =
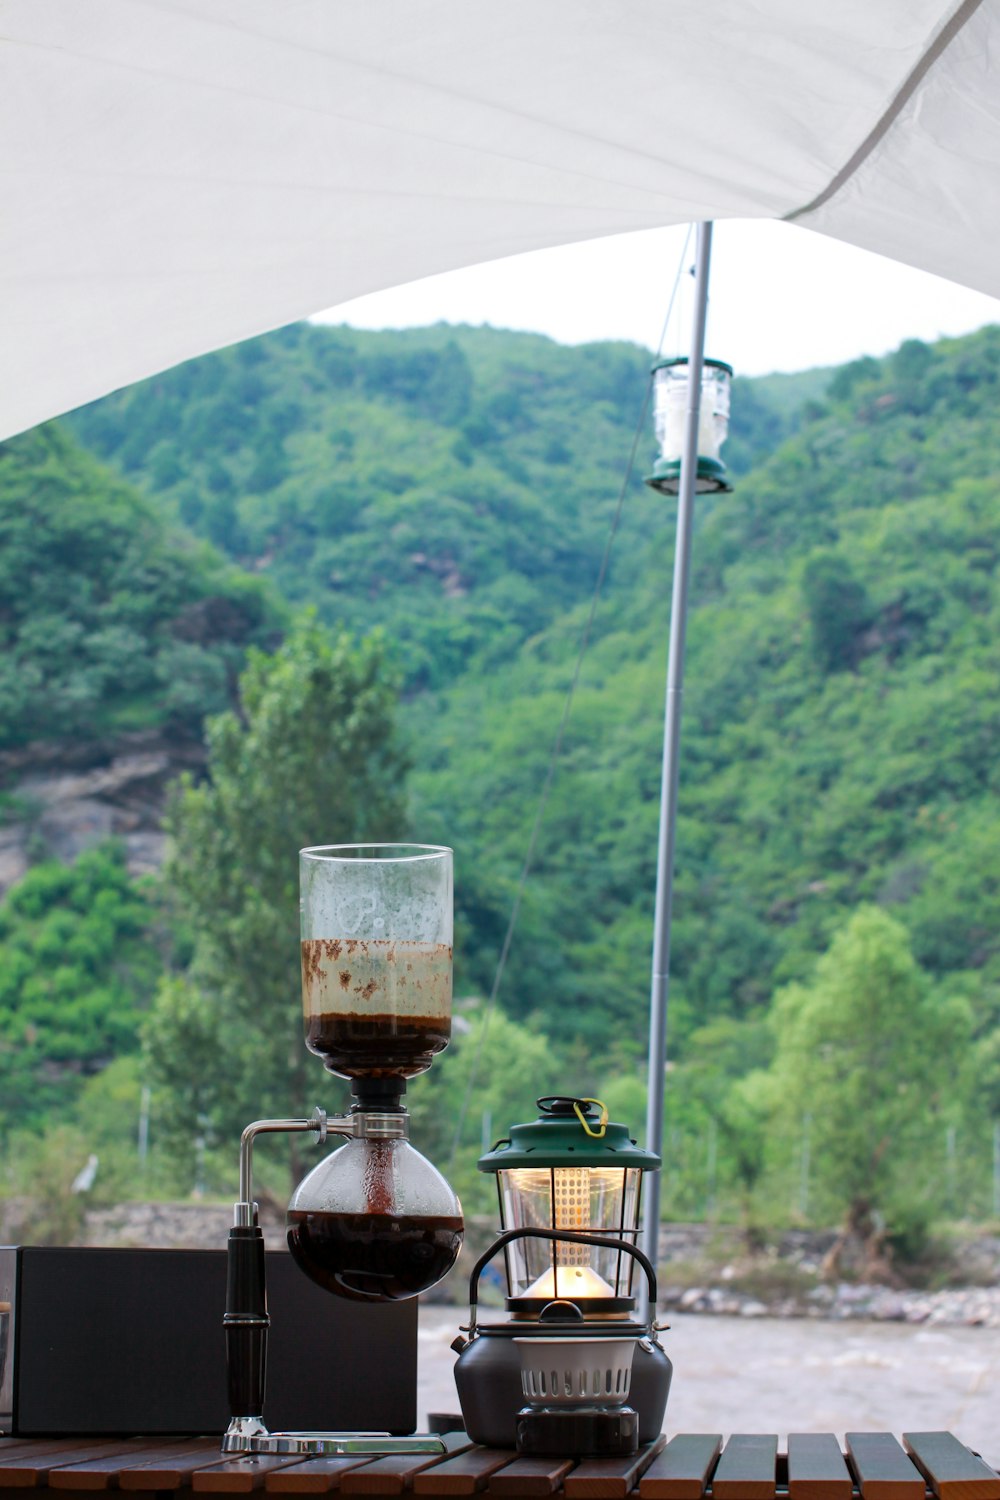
574 1282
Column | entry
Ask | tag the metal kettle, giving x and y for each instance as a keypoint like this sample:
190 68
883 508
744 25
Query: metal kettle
488 1368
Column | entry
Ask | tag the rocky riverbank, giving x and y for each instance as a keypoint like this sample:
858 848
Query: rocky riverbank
708 1269
970 1307
704 1269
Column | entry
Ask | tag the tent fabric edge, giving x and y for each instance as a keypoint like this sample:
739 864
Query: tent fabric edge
942 41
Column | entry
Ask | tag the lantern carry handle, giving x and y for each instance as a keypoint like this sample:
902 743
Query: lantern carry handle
598 1134
557 1236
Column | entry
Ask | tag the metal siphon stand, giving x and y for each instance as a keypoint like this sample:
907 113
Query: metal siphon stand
246 1319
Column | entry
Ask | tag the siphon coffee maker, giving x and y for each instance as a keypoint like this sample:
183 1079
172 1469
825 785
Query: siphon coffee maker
374 1221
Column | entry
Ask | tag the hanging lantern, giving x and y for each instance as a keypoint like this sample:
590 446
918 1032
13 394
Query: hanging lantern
670 393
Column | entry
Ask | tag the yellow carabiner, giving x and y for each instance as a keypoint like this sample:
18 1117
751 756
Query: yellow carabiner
595 1135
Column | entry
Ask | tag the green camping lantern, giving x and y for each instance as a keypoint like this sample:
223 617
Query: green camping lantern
670 393
569 1169
573 1369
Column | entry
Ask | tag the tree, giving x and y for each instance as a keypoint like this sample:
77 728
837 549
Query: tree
838 610
489 1078
311 759
876 1059
78 958
110 619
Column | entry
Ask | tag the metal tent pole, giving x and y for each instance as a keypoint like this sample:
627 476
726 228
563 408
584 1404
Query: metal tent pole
671 748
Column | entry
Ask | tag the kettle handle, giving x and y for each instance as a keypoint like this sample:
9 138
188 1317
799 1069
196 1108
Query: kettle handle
557 1236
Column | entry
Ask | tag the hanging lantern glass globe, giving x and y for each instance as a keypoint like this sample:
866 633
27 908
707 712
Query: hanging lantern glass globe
670 389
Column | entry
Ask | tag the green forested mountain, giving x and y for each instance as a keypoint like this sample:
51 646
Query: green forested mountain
451 484
109 619
842 706
456 485
841 720
116 628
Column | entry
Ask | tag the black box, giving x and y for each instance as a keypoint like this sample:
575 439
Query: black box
131 1342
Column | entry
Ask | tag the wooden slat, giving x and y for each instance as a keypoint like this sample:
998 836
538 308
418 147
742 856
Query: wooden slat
171 1469
316 1476
12 1448
682 1470
530 1476
32 1467
882 1469
746 1470
952 1470
240 1476
610 1478
396 1472
465 1474
816 1468
10 1445
107 1473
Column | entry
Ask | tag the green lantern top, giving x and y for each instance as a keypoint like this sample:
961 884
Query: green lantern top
682 359
569 1132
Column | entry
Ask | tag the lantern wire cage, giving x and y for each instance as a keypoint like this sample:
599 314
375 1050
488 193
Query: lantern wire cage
590 1200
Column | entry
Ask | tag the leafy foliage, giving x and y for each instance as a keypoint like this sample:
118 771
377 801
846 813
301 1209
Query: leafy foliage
811 780
511 1065
451 484
108 621
840 714
310 759
875 1061
78 962
838 610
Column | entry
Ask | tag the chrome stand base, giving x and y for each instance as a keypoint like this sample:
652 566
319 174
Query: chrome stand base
248 1435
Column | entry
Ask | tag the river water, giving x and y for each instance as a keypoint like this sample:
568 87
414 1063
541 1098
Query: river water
795 1375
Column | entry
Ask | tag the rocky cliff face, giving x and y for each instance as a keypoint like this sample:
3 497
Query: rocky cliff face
63 799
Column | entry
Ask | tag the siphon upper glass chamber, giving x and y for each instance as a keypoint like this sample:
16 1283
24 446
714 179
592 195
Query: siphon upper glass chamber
376 928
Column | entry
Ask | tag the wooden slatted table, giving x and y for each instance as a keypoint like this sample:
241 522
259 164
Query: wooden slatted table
688 1466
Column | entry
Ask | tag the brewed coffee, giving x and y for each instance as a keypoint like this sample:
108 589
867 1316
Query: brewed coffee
374 1257
377 1046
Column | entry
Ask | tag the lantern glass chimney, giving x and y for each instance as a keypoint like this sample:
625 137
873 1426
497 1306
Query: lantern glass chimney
570 1169
585 1200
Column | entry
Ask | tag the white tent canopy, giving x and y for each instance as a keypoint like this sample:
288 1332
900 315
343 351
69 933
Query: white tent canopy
181 174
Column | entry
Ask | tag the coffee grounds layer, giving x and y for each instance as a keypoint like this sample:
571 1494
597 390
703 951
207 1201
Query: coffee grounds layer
374 1257
376 1009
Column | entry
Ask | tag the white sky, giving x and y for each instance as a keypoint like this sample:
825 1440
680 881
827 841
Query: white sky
782 298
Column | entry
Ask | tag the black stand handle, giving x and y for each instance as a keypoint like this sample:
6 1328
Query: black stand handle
246 1322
